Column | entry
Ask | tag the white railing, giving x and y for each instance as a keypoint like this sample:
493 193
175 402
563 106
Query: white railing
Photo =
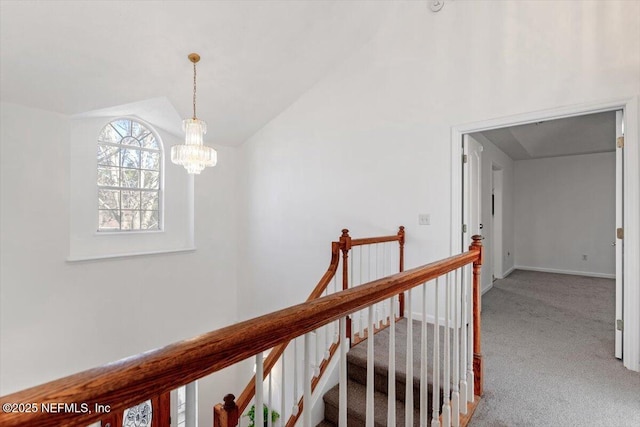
445 344
302 362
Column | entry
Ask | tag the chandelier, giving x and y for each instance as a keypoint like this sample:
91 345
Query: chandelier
193 154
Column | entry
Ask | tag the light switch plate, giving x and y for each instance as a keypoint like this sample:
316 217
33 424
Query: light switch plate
424 219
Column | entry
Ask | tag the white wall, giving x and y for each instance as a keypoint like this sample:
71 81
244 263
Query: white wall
368 147
492 155
565 208
58 318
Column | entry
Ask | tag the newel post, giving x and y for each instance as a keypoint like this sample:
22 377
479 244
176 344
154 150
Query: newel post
345 247
401 266
226 415
478 365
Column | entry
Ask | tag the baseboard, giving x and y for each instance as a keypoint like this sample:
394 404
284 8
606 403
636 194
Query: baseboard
571 272
508 272
487 289
328 380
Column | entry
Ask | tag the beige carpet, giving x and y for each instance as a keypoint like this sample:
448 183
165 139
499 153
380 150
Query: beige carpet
548 343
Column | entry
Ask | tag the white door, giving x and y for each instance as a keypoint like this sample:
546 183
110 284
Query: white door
471 175
618 239
471 191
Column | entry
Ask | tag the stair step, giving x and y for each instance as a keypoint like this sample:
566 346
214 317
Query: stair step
356 412
326 423
357 378
357 360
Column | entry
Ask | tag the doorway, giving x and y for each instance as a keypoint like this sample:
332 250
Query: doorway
629 179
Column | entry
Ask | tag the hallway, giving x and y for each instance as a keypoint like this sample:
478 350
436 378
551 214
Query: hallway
548 343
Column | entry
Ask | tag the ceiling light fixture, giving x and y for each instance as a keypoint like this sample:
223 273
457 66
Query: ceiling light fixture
193 154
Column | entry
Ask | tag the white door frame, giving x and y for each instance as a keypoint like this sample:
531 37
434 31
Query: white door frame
631 333
497 220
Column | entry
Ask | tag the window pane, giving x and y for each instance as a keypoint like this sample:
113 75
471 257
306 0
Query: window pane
130 178
149 220
130 199
109 134
108 176
150 200
108 220
151 160
137 130
130 158
108 155
150 179
150 142
128 168
123 127
108 199
130 220
130 141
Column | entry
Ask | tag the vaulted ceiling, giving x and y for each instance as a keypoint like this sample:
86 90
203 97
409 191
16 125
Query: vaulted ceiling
258 57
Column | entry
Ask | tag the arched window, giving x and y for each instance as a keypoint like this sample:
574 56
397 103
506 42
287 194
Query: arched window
129 177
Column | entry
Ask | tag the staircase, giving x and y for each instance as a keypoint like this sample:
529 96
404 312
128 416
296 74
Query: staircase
357 378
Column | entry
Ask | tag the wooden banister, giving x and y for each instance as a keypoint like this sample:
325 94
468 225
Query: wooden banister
400 238
226 414
478 364
343 245
249 391
127 382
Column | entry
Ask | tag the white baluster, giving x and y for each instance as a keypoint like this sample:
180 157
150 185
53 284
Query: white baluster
351 285
391 376
377 261
344 346
336 331
370 366
463 344
327 335
446 382
306 412
384 259
361 313
191 404
424 377
296 397
455 394
316 354
283 383
386 310
270 400
435 414
408 401
470 379
259 400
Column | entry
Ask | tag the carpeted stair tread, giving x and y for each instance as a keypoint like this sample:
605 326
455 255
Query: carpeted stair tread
357 376
326 423
356 412
357 359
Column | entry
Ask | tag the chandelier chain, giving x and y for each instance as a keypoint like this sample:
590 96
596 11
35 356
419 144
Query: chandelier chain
194 90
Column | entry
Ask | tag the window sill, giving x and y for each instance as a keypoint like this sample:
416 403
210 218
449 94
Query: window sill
126 232
73 259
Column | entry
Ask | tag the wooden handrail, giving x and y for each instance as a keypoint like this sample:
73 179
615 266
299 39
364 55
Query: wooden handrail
126 382
275 354
344 245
